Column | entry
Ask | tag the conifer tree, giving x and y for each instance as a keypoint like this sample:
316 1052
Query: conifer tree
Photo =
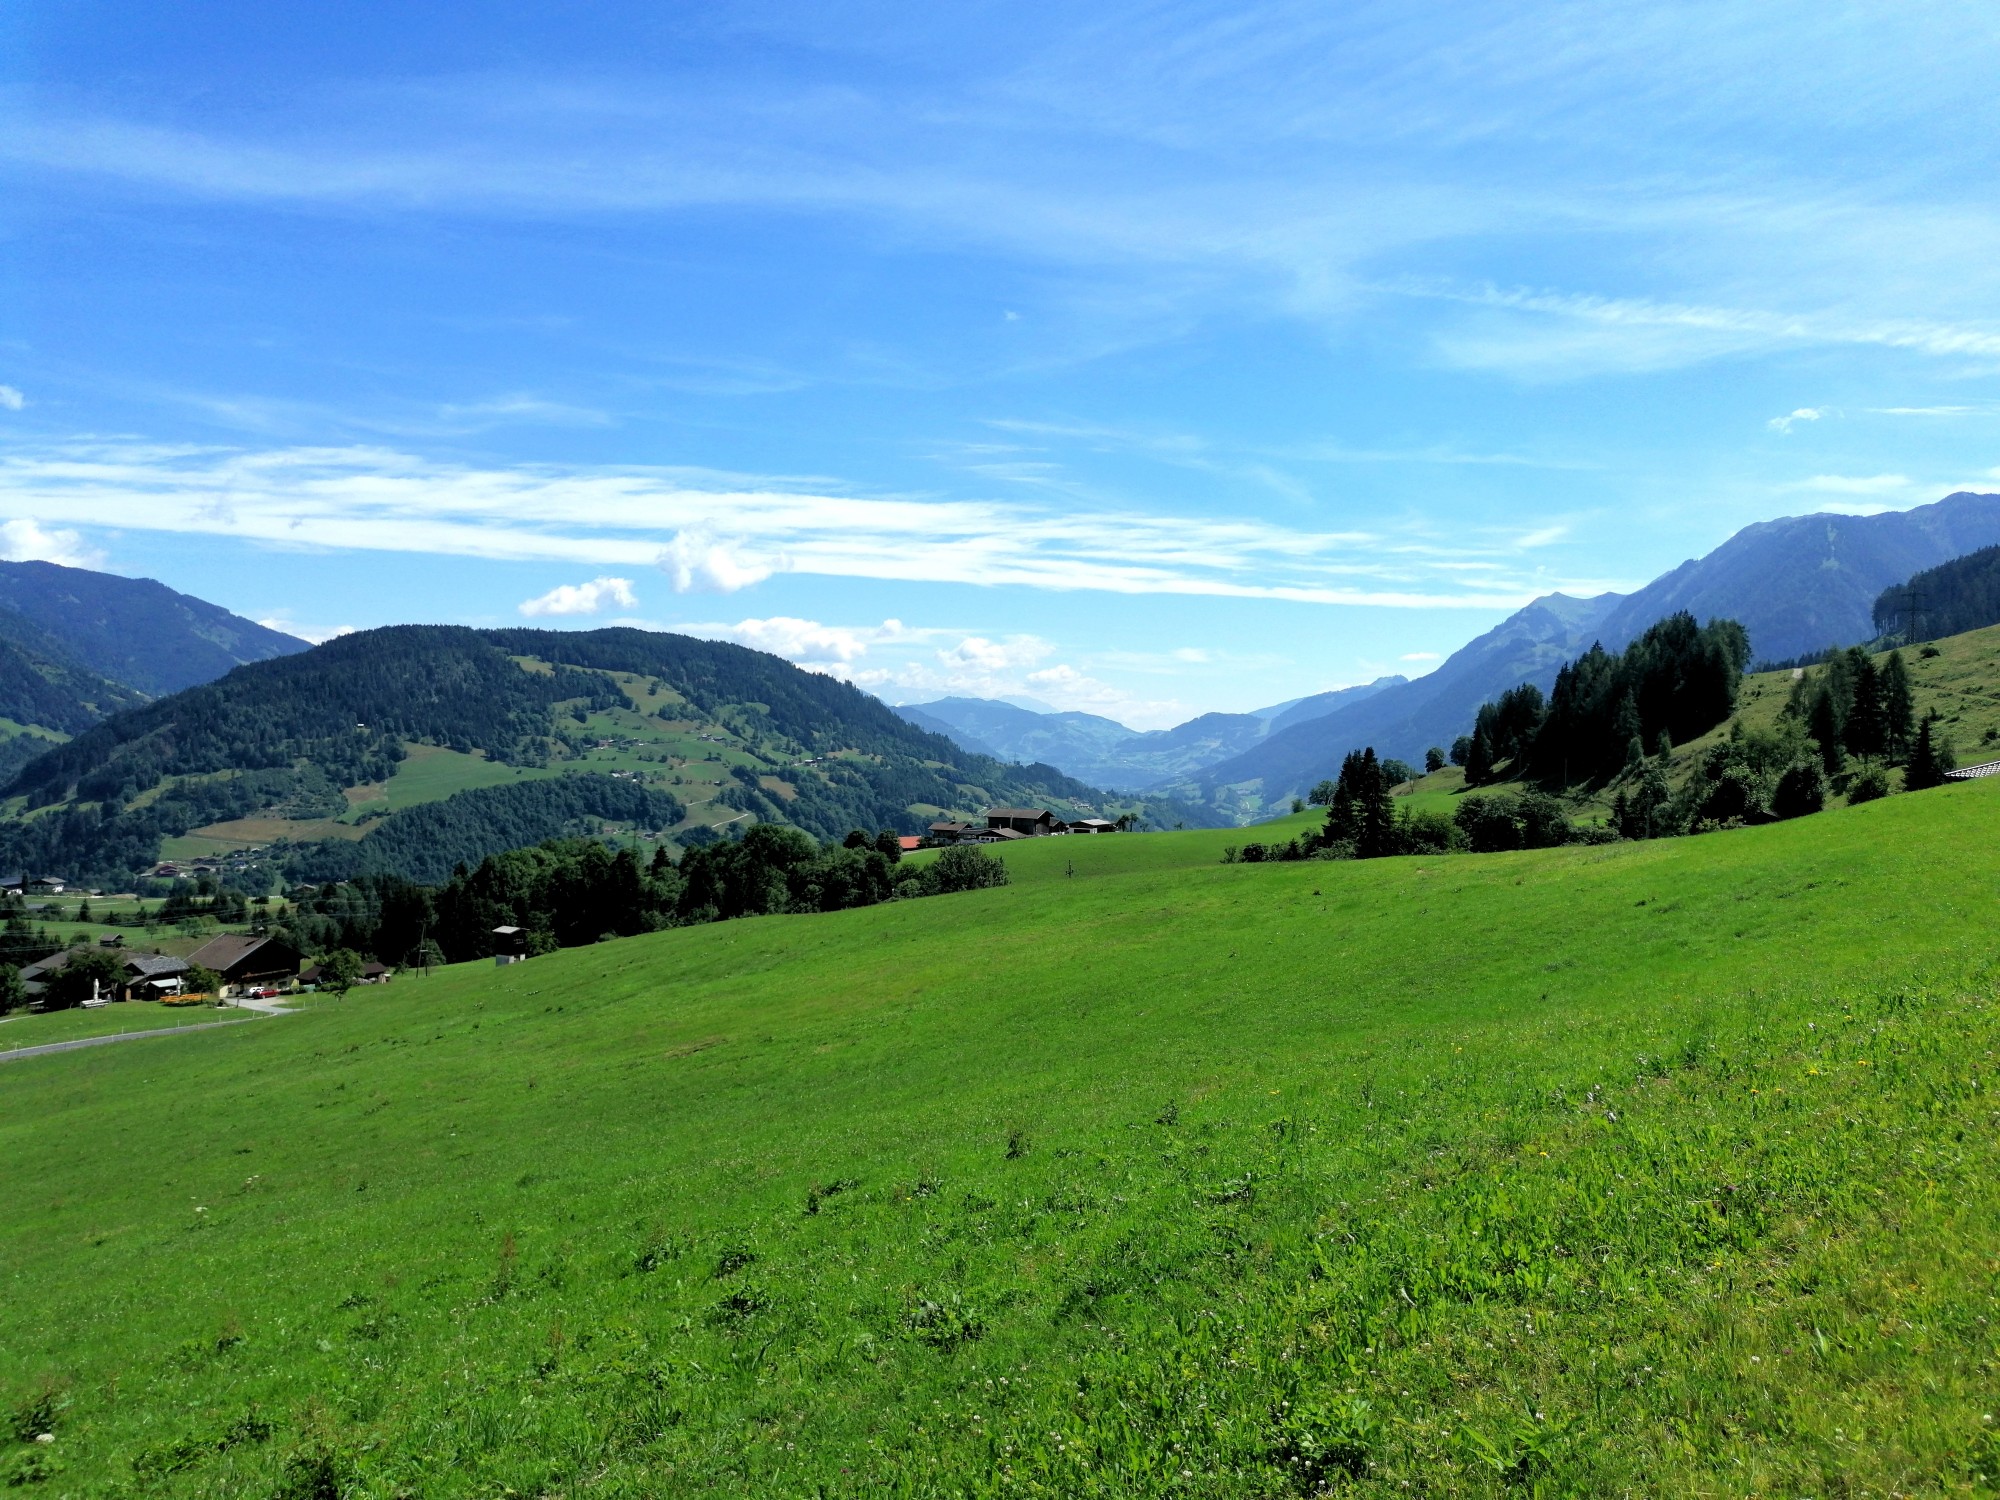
1823 723
1479 760
1376 830
1929 760
1343 815
1863 731
1898 705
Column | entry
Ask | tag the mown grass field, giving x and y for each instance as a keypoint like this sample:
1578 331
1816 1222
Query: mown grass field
25 1030
1662 1169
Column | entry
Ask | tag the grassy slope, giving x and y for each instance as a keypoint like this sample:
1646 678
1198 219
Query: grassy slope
1685 1146
23 1030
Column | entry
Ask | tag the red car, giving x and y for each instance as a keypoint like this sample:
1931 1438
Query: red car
263 994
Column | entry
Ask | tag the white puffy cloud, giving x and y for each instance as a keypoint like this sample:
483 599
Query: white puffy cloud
11 398
1803 414
313 634
699 563
807 642
583 598
26 540
977 654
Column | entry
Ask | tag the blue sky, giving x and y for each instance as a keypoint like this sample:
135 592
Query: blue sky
1148 359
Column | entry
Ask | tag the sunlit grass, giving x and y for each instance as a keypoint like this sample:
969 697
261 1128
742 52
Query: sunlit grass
1652 1169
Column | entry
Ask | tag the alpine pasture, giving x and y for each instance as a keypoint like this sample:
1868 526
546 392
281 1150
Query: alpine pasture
1663 1168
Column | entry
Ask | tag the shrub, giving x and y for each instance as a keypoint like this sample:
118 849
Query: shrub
964 867
1419 832
1870 784
1801 790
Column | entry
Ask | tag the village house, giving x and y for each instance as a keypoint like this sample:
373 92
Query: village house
1092 825
1029 821
949 831
152 976
246 963
993 835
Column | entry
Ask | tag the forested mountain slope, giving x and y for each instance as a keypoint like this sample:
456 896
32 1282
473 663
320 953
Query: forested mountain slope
331 747
1954 597
136 631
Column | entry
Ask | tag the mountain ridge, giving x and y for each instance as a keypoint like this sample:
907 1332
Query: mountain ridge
137 631
1797 584
319 748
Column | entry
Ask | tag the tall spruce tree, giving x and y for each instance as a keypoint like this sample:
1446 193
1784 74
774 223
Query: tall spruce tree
1377 813
1863 731
1824 724
1479 760
1899 710
1929 759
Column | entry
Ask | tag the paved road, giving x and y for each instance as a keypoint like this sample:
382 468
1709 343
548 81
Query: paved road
267 1007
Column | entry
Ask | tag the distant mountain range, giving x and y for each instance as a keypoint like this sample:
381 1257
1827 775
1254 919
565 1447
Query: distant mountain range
77 646
1105 752
1797 585
135 631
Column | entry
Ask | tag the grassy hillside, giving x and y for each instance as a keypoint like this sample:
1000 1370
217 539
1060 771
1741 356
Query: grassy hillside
1659 1168
1957 684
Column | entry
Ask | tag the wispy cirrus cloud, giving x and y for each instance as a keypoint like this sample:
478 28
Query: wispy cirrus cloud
1568 334
722 538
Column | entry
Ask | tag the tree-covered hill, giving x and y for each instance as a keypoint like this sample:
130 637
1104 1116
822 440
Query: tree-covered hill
314 745
41 683
1950 599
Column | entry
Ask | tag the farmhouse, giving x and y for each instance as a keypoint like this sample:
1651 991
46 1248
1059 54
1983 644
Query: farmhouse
1092 825
1031 821
949 830
35 975
149 976
248 962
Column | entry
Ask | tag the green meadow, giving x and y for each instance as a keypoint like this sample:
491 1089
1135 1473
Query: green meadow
25 1030
1649 1169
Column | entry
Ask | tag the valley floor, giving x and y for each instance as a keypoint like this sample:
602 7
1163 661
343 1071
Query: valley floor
1660 1169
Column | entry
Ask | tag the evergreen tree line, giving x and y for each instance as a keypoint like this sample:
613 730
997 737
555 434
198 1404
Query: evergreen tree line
1677 682
1851 707
1950 599
572 892
1608 710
